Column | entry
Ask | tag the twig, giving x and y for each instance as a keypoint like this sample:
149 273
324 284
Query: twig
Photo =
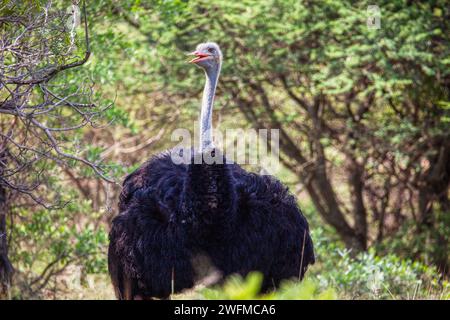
301 258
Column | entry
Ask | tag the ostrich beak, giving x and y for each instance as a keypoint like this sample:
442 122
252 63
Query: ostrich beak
198 56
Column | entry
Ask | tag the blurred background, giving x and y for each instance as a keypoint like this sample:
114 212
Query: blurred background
360 93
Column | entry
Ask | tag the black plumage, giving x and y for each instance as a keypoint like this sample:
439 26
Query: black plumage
246 222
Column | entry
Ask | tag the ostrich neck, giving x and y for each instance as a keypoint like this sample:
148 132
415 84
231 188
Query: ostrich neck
206 140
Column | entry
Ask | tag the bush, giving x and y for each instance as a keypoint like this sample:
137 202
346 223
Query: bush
50 244
237 288
368 276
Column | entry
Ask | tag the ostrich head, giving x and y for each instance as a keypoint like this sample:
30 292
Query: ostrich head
207 56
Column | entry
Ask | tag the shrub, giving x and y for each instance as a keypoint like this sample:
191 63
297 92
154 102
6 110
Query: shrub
237 288
368 276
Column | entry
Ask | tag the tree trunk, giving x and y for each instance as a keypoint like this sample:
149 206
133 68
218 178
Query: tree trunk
6 269
355 173
433 196
324 199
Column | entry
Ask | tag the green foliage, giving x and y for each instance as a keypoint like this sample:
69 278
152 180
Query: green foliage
370 276
428 244
237 288
46 242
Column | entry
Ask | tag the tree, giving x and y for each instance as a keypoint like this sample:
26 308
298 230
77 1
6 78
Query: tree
43 106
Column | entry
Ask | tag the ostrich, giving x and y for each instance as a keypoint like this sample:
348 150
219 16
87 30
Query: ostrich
178 222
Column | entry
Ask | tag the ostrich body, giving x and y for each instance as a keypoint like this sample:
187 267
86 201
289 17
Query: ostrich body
180 221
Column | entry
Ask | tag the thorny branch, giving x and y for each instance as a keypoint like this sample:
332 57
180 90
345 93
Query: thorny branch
39 104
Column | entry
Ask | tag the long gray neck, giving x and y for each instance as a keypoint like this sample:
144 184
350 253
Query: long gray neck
212 76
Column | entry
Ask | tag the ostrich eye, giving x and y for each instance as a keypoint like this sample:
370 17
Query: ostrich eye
211 50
